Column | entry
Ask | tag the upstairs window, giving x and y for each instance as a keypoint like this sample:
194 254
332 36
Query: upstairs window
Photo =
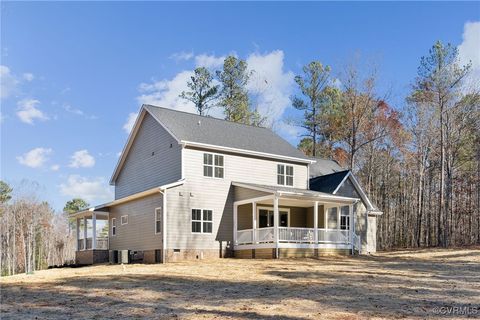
158 220
202 221
284 175
213 165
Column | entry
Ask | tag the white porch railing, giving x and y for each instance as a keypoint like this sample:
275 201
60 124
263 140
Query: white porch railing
300 235
102 244
333 236
245 236
263 235
296 235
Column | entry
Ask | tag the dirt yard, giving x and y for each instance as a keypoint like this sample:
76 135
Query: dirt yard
403 284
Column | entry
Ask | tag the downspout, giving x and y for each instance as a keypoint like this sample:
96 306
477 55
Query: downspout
164 224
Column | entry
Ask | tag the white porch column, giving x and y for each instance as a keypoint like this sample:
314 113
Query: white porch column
350 227
235 213
325 216
84 233
276 221
94 230
78 234
315 223
254 222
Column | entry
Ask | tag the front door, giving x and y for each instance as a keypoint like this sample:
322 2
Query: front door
265 218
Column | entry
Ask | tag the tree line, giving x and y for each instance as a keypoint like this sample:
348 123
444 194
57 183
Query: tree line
32 235
419 162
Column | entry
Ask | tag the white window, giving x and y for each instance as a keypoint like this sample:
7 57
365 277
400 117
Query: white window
284 175
124 220
202 221
345 218
213 165
158 220
114 226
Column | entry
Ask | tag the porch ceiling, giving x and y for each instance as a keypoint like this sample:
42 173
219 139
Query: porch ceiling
100 215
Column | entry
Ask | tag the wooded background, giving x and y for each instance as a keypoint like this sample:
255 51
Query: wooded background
419 161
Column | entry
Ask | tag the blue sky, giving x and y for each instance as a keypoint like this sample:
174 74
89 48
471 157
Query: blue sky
74 73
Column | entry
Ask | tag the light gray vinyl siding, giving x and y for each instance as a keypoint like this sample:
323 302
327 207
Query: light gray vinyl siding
154 159
241 168
216 196
348 190
139 233
245 194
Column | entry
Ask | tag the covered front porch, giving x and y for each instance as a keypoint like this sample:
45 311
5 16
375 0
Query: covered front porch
293 219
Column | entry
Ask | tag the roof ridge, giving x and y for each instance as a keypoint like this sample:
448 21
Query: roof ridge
207 117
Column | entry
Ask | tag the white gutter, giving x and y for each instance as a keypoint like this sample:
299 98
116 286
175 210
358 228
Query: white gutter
139 195
244 151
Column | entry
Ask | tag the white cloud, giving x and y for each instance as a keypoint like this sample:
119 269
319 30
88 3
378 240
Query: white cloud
8 82
82 159
28 76
469 49
78 112
35 158
182 56
128 126
55 167
88 189
73 110
28 111
165 93
209 61
270 85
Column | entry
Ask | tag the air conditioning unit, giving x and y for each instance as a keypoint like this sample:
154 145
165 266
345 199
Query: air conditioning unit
113 256
124 256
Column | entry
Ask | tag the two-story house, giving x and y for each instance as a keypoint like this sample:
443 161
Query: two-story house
195 187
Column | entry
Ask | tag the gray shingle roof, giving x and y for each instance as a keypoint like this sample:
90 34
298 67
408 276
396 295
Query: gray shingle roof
323 167
200 129
328 183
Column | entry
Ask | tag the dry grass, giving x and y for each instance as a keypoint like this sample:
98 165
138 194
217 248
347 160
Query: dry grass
402 284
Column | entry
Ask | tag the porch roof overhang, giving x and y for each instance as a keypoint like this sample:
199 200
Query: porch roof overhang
296 193
103 209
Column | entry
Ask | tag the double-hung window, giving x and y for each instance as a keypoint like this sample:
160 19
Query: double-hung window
202 221
213 165
284 175
158 220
